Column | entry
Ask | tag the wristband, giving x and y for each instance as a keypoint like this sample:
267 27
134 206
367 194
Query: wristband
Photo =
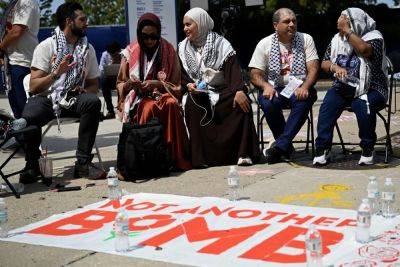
347 35
331 67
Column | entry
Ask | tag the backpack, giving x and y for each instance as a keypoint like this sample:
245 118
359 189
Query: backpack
142 151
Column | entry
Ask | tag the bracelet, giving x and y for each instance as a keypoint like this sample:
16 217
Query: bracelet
331 67
347 35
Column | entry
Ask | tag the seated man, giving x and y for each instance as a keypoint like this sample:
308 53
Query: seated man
285 55
356 57
64 81
108 83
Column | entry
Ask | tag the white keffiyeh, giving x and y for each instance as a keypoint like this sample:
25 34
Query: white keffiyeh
76 75
364 26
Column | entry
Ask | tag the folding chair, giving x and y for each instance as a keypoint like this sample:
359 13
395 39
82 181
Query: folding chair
386 121
64 121
310 129
19 137
71 120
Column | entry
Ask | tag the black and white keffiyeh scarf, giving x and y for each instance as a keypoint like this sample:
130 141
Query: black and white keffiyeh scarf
298 68
76 75
215 52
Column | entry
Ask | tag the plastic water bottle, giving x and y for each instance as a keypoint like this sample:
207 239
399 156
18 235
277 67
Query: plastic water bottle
363 222
388 199
201 85
114 190
19 187
233 183
3 219
121 227
313 247
373 194
18 124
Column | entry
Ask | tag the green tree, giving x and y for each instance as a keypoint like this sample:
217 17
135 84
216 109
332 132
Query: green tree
102 12
45 13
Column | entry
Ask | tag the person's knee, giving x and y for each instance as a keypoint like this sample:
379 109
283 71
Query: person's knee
170 102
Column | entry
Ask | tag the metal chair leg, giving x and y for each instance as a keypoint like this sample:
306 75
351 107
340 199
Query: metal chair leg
340 138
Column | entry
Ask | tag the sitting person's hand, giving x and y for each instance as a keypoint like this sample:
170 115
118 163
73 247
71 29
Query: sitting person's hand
192 88
131 85
151 85
269 92
242 100
301 93
339 72
64 66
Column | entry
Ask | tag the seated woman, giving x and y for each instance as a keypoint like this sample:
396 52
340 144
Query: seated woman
217 111
146 66
356 58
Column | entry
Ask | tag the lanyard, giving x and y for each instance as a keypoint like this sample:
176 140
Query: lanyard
148 64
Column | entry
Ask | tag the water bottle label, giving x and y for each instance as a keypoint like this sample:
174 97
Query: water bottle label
112 181
388 196
373 194
121 228
233 181
363 220
3 216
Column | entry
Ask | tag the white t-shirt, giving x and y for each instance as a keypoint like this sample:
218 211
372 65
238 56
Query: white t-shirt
260 57
25 12
44 52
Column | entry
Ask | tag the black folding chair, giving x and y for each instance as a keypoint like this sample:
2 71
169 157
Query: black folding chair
386 120
19 137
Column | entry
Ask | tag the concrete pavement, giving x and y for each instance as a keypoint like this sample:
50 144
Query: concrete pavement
339 185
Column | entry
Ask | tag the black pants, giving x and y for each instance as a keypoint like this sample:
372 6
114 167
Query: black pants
39 111
109 84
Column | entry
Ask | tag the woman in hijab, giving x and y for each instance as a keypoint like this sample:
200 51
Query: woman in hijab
148 66
218 114
356 58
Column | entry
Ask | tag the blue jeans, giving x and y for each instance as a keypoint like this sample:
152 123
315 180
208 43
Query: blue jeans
285 132
334 104
17 96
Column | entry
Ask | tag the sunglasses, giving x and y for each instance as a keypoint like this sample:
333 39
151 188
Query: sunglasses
145 36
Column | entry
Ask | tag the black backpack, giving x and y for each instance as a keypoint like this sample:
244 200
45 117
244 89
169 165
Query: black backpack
142 151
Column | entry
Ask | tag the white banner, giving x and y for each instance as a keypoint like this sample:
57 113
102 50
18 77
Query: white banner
212 231
165 10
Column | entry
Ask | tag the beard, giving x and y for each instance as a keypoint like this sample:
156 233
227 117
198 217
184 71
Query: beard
78 32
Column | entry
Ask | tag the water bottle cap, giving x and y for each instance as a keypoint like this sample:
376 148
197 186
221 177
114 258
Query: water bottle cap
372 178
112 168
232 168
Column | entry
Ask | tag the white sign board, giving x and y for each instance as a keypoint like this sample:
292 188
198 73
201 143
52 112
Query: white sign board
211 231
165 10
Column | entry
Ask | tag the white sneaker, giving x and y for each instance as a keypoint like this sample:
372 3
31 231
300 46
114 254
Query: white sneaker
246 161
322 159
366 158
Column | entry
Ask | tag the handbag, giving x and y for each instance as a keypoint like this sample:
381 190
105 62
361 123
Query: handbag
142 151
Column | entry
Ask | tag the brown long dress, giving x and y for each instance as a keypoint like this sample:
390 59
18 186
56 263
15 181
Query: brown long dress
231 133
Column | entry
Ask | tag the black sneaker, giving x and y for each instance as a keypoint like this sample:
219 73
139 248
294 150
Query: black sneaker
81 170
272 155
287 156
30 175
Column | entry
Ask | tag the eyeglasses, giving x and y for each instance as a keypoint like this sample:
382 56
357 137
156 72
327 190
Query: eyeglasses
145 36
